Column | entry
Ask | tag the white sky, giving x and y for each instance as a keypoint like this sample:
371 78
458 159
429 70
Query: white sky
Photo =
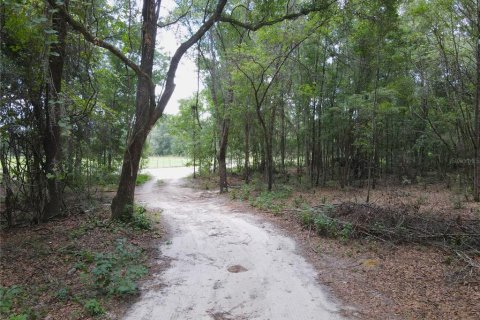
186 77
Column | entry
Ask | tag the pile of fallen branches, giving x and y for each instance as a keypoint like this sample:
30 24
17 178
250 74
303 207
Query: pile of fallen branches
396 225
406 225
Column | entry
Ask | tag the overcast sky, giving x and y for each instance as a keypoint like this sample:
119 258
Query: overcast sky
186 79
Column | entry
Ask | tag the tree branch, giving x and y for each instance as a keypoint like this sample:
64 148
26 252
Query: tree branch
169 23
291 16
79 27
170 78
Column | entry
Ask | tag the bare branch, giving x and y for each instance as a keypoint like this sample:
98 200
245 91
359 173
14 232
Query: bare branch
170 82
169 23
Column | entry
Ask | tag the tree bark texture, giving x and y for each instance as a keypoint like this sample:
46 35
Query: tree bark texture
54 111
477 114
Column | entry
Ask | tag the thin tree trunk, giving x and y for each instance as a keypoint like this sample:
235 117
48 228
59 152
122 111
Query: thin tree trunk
373 158
283 137
221 156
247 150
6 181
477 114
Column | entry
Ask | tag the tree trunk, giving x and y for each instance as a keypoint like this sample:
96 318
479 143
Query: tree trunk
221 156
52 142
122 204
477 114
6 181
247 150
269 161
283 138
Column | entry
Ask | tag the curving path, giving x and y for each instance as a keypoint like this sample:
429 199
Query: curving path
224 264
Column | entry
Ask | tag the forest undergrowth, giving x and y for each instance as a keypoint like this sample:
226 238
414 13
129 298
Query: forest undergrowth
81 266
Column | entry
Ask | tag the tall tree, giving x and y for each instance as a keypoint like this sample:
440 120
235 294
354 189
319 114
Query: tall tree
477 112
147 110
54 112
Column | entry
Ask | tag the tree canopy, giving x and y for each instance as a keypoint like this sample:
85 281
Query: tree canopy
345 91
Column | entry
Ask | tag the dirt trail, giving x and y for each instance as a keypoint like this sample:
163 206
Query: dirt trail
224 264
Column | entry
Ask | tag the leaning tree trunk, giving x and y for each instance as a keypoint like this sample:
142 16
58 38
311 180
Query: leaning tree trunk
122 204
146 112
52 142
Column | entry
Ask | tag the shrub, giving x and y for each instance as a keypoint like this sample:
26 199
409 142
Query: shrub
306 218
140 219
93 307
325 225
115 272
7 298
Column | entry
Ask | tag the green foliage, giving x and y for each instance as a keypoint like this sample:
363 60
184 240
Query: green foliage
7 298
62 294
323 224
266 201
19 317
457 202
299 202
243 193
162 142
307 218
272 200
115 272
140 218
93 307
142 178
193 128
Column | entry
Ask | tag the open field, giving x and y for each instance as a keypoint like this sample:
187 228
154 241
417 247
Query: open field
166 162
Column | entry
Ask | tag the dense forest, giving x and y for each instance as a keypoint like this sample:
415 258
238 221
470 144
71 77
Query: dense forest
347 92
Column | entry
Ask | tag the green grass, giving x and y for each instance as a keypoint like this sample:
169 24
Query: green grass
142 178
166 162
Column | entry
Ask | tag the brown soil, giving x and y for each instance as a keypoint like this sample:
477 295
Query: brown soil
383 280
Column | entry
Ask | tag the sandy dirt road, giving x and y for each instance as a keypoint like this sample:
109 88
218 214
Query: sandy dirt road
224 264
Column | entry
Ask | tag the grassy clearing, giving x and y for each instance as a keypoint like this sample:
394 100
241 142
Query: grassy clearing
142 178
166 162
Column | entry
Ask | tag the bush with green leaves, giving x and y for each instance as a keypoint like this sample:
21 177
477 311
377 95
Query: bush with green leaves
140 219
245 192
93 307
265 201
306 218
323 224
7 298
115 273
